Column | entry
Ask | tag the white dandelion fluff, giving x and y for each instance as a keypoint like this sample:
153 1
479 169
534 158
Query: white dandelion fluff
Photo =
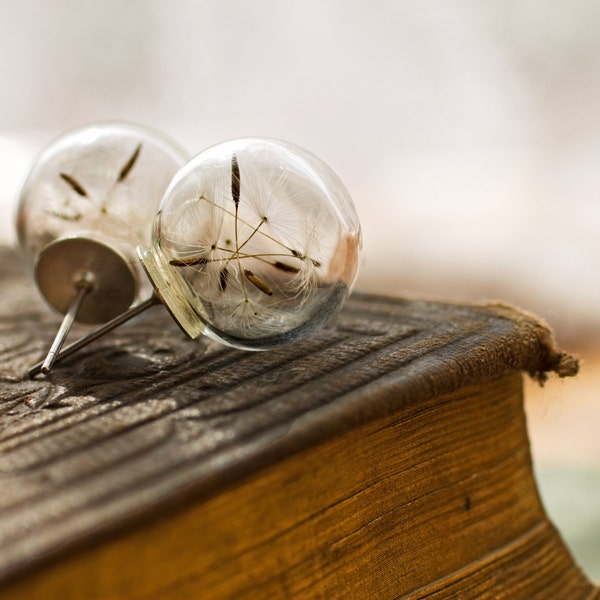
256 244
101 183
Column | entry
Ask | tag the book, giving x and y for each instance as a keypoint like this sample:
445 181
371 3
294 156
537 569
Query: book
385 457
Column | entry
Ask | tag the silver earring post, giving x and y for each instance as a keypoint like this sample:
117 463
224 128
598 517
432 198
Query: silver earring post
94 335
83 286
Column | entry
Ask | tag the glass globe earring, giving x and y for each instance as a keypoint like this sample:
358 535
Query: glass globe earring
86 205
256 244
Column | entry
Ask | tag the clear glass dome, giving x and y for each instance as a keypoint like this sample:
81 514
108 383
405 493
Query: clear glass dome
256 244
88 201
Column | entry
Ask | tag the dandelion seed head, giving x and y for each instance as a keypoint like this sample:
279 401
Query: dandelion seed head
103 182
247 234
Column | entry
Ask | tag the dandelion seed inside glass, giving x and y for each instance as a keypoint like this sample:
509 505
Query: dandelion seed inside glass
256 244
90 200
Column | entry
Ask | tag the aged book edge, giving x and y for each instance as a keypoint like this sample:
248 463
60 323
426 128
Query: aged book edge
469 515
521 343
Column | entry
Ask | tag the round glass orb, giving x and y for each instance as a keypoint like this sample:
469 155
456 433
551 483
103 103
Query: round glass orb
256 244
86 205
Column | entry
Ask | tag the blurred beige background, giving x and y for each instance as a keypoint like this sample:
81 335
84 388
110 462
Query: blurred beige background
467 132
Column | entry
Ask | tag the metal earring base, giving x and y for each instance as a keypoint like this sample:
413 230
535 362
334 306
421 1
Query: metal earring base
61 265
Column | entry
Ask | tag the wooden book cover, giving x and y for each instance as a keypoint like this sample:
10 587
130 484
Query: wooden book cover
386 457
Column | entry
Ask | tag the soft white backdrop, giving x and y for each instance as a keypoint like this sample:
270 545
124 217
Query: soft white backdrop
466 131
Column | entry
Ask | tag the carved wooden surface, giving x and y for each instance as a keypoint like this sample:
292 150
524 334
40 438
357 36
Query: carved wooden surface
146 420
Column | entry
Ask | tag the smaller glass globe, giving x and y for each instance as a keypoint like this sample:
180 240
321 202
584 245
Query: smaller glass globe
256 244
86 205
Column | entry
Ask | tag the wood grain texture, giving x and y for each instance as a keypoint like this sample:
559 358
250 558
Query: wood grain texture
406 520
146 427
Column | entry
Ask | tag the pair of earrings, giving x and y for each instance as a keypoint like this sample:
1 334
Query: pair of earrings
254 242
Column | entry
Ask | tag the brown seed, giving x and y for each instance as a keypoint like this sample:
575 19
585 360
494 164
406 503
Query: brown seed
258 282
287 268
223 278
297 254
188 262
235 180
75 185
129 164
